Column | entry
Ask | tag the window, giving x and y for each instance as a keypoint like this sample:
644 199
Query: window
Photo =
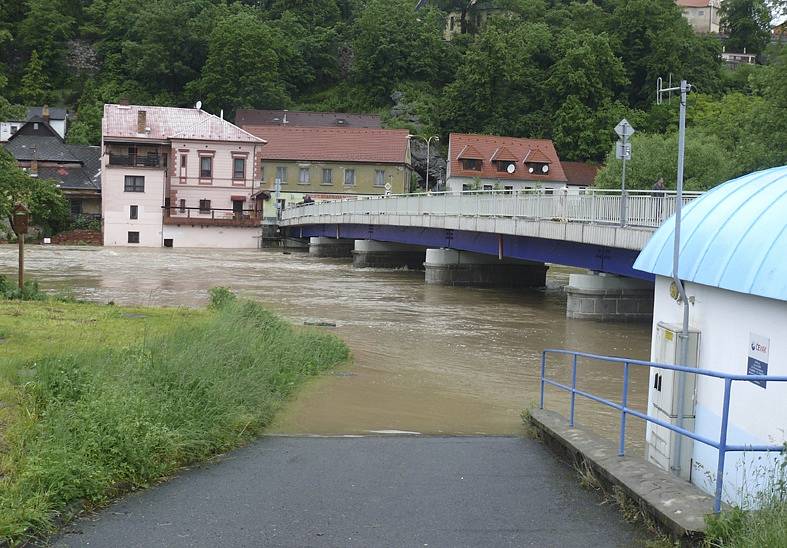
487 187
349 177
379 177
133 237
452 23
509 189
239 168
502 165
35 125
204 206
76 207
182 205
183 164
473 165
13 129
327 176
133 212
134 183
303 176
262 171
281 174
206 167
701 13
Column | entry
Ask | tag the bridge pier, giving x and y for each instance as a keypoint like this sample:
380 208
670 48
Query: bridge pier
606 297
453 267
330 247
374 254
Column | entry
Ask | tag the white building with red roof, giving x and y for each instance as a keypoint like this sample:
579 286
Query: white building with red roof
489 162
178 177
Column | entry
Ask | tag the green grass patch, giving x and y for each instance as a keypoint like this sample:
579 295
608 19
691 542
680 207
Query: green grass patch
97 400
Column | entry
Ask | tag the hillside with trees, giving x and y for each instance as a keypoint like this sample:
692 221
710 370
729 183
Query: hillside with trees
537 68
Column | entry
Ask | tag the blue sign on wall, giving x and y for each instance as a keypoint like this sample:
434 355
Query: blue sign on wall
759 347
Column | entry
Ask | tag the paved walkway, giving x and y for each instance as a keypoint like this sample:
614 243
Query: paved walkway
372 491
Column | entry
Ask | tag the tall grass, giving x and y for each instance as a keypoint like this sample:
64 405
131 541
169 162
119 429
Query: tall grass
101 420
762 526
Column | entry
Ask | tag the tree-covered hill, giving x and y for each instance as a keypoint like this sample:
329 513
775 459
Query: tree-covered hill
565 70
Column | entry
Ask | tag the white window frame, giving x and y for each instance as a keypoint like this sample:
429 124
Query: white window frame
304 176
351 173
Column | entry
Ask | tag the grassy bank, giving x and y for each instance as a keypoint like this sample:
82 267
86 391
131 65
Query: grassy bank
99 399
763 527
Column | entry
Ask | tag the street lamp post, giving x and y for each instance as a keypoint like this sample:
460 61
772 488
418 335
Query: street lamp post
428 154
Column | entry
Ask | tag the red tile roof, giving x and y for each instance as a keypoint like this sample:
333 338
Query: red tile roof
503 153
166 123
469 152
537 150
580 173
365 145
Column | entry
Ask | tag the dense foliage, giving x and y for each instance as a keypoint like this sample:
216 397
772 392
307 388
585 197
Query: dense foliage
560 69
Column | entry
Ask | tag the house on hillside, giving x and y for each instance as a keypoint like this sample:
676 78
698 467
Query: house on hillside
179 177
476 17
41 151
332 163
734 60
489 162
56 117
779 30
702 15
248 117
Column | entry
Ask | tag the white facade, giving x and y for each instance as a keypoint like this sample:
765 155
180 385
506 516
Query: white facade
457 184
726 322
7 129
212 237
116 204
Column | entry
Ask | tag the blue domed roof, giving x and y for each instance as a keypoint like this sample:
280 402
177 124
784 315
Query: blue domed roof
733 237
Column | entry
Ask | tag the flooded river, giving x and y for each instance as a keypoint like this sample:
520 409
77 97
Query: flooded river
436 360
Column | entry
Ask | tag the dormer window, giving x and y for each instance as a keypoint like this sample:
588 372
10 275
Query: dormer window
537 168
505 166
471 165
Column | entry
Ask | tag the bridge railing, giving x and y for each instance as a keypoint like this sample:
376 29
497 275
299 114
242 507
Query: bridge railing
644 208
719 443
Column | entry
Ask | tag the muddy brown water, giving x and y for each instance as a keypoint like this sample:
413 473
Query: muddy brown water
427 359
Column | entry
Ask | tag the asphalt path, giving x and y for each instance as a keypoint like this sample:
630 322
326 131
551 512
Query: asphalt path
369 491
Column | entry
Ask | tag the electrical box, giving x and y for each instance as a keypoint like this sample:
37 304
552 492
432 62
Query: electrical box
664 399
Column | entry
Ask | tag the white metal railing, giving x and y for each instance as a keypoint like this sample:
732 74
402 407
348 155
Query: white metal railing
644 208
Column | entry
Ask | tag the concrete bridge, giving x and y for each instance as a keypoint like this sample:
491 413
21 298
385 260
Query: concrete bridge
501 238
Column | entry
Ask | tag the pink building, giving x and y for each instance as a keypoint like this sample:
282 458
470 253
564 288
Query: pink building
179 177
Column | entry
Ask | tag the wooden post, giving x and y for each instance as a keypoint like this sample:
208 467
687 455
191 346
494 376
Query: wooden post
21 239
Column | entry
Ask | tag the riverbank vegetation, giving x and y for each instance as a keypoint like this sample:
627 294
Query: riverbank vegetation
97 400
765 525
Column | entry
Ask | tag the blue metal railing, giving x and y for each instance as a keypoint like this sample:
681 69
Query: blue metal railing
721 445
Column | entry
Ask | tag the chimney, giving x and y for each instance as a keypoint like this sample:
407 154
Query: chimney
141 121
123 101
45 113
285 122
34 163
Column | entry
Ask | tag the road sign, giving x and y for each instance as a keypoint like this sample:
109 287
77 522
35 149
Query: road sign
622 151
624 129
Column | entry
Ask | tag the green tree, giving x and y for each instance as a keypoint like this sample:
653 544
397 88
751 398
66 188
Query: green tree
747 23
395 43
500 85
35 85
654 40
243 66
48 207
653 156
46 28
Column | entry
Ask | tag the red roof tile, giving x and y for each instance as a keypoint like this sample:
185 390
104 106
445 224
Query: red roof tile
365 145
503 154
166 123
469 152
580 173
520 149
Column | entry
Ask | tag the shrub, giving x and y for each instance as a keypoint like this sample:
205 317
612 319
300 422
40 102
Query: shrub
220 297
30 291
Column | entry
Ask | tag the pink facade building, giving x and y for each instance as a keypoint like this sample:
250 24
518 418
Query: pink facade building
179 177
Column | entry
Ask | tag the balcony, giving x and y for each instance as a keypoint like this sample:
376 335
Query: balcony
194 216
151 159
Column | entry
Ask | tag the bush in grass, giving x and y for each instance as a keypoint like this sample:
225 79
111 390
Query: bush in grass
220 297
104 420
11 291
766 526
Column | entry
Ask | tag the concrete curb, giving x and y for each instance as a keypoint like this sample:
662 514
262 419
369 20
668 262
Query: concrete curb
677 506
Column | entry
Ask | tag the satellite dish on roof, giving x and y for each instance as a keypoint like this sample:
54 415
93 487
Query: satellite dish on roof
198 106
511 168
545 168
